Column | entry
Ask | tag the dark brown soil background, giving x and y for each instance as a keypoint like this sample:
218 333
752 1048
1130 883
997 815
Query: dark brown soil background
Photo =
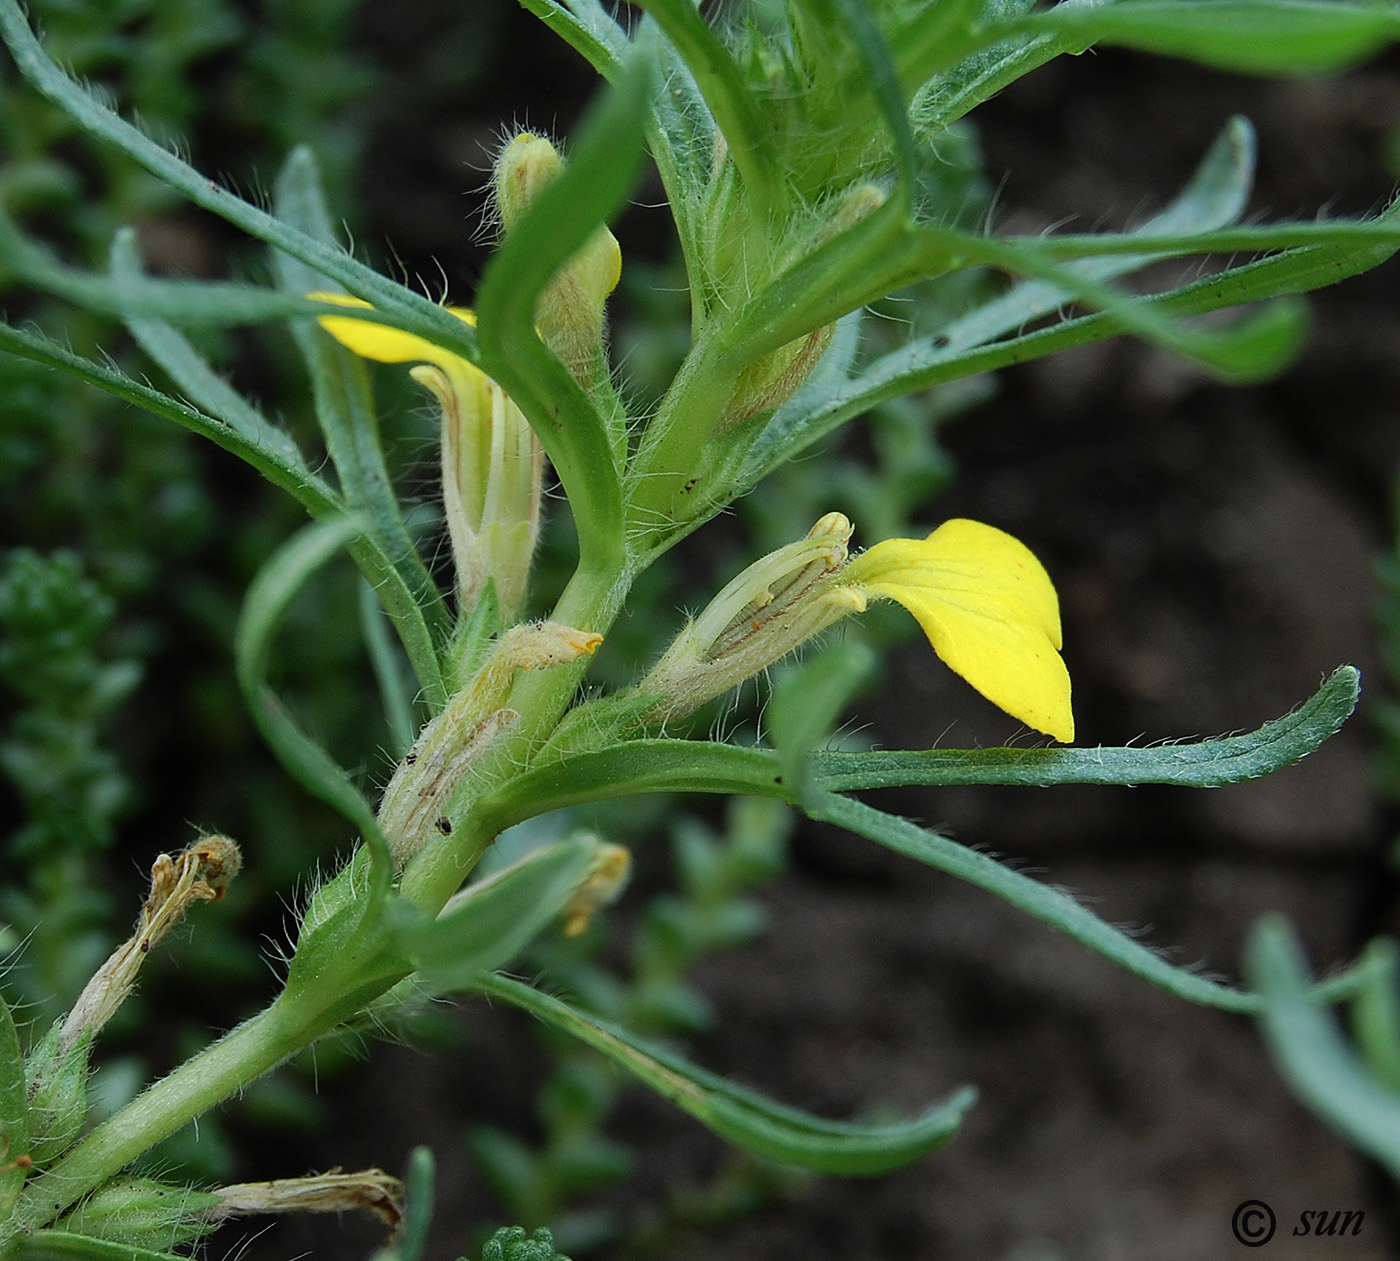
1214 549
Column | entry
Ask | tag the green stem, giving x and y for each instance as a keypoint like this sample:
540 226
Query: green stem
591 601
666 477
200 1083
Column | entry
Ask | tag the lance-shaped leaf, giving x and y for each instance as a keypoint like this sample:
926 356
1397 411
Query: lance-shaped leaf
653 765
886 252
307 488
808 702
1309 1049
412 1235
740 1116
588 28
345 411
1267 37
930 362
490 922
1049 905
191 372
1375 1013
278 583
188 301
732 103
61 1245
1198 764
393 303
884 84
682 142
14 1114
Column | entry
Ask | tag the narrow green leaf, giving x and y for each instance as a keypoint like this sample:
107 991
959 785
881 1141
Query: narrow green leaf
394 304
395 689
345 411
808 701
318 498
1375 1013
278 583
884 81
412 1235
740 1116
934 37
931 362
1379 233
188 301
984 72
636 767
62 1245
1199 764
1265 37
1051 906
191 372
587 28
577 440
14 1113
733 104
1255 347
1214 198
486 925
682 142
299 201
1310 1051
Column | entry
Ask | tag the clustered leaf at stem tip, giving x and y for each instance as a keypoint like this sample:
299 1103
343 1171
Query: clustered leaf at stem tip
985 602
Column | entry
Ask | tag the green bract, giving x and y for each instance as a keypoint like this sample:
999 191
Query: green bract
812 154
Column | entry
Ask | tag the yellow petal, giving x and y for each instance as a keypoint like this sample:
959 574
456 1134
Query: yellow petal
389 345
989 610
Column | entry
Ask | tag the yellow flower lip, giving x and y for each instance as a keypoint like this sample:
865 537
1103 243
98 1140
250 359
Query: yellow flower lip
389 345
988 608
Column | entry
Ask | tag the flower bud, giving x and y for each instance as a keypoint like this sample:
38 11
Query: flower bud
569 314
772 607
606 879
492 463
768 382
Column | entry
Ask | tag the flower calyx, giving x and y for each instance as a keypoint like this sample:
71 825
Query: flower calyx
199 873
412 811
772 607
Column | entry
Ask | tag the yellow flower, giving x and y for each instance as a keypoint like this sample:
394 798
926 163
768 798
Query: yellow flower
492 463
989 610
